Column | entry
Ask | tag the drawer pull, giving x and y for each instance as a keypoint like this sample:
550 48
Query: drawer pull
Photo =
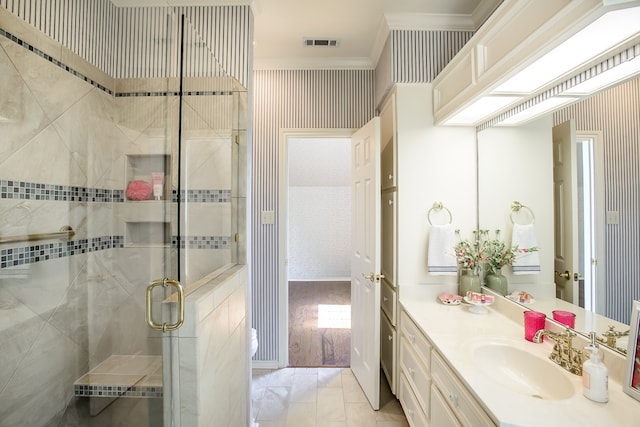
390 202
453 398
390 177
390 337
412 371
385 299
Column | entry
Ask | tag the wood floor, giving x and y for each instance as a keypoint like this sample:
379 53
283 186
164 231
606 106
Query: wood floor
317 332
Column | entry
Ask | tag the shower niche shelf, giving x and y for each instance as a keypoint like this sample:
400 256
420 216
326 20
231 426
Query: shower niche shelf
141 166
147 234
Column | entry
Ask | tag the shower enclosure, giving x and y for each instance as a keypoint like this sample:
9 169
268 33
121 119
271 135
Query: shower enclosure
96 260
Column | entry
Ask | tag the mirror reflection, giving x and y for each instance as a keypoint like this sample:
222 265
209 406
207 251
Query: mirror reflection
578 171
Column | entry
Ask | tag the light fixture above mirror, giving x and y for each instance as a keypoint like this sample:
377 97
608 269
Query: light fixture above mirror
527 51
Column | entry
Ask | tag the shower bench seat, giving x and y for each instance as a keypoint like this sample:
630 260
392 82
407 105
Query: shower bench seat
137 376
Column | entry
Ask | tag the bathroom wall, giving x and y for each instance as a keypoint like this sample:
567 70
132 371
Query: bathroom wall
415 56
325 99
319 209
291 99
614 113
67 130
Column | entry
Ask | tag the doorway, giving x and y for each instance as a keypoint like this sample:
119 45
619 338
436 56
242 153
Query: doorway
579 217
590 220
315 273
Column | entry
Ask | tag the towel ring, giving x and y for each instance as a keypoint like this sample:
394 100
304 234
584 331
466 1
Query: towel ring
516 207
438 206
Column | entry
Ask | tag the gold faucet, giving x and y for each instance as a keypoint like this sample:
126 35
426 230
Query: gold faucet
563 352
609 338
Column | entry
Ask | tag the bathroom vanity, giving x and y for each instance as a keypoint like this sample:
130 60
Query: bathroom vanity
458 368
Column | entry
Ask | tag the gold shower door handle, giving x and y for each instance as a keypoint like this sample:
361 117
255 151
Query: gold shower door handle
165 327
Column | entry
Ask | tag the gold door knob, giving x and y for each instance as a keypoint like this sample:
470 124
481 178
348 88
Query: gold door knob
373 277
566 275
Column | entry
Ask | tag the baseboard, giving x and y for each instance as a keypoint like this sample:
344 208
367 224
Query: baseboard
323 279
264 364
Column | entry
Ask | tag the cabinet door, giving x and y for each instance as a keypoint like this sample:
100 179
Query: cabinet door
441 415
388 301
388 350
388 144
387 167
388 235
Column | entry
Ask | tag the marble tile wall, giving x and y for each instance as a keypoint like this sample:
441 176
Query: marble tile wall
65 307
214 372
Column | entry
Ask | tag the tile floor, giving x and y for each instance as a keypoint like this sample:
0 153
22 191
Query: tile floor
319 397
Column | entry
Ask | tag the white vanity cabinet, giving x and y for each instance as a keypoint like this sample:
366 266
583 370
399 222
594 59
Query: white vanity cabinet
388 253
415 376
430 392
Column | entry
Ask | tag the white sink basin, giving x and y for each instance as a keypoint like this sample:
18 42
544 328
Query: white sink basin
523 372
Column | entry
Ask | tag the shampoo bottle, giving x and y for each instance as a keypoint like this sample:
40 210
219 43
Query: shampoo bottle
595 377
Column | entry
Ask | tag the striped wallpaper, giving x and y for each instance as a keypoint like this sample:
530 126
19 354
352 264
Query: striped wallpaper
616 113
291 99
139 42
419 56
316 99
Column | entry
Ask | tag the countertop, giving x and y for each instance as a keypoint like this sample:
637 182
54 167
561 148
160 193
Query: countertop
454 331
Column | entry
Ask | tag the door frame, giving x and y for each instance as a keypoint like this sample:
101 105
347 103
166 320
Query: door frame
283 211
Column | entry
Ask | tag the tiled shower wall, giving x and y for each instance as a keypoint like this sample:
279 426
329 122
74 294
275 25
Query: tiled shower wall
65 307
615 113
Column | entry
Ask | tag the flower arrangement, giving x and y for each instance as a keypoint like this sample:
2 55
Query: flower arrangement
468 253
496 254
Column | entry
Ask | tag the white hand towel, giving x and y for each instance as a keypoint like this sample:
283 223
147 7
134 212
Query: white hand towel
524 236
441 256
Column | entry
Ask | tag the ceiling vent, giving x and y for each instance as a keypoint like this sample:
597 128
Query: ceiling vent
321 42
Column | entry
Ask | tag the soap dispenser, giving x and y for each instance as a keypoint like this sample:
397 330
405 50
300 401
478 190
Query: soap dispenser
595 377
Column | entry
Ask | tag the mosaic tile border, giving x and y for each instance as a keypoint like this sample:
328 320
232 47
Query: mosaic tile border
11 189
22 190
103 88
17 256
202 196
117 391
54 61
202 242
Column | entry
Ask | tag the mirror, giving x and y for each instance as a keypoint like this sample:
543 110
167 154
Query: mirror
517 164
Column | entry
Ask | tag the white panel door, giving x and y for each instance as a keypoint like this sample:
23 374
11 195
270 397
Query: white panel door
565 212
365 264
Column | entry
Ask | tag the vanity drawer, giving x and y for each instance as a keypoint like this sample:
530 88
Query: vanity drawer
441 414
416 374
388 340
388 298
467 410
416 339
410 405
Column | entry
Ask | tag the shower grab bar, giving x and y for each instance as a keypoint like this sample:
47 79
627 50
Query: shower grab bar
65 233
